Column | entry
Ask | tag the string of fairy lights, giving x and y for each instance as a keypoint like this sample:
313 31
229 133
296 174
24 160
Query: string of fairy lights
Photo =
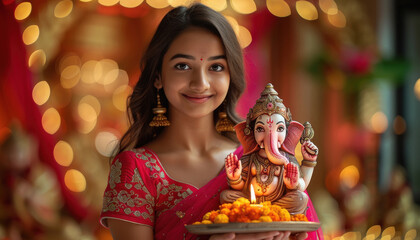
106 73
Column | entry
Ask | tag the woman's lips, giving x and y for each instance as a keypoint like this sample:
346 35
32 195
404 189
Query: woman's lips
197 99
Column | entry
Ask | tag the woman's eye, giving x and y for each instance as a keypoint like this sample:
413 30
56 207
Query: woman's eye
280 129
259 129
182 66
217 67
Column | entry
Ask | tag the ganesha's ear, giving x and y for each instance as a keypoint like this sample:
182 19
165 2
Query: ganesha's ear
247 141
294 132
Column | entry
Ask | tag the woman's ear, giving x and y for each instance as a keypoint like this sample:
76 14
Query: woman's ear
158 82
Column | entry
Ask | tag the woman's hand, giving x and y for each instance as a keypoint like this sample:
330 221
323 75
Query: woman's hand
233 167
275 235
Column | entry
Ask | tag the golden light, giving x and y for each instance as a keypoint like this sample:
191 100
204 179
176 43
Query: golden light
351 159
119 97
253 199
41 92
410 234
75 180
30 34
122 79
349 176
306 10
337 20
389 231
93 102
399 125
63 153
90 71
108 3
351 236
63 8
86 112
375 231
217 5
130 3
244 37
70 76
328 6
23 10
69 59
158 3
177 3
417 89
85 0
379 122
105 143
86 127
37 59
243 6
51 120
106 71
278 8
234 24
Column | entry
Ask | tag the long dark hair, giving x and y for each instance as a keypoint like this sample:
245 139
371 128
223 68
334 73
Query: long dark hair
139 108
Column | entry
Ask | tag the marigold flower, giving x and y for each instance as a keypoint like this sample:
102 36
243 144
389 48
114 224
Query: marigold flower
221 218
265 219
206 222
299 217
213 215
196 223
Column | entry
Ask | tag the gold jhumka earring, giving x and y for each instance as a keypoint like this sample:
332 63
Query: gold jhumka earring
159 120
224 124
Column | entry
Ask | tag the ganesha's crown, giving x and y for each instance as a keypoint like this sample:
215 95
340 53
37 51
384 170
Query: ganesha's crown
269 103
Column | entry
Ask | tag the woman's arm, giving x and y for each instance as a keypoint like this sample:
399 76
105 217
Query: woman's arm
122 230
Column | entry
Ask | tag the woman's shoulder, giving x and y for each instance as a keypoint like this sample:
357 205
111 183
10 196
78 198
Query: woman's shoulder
135 158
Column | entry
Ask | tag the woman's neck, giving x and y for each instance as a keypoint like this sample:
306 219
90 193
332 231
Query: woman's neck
191 134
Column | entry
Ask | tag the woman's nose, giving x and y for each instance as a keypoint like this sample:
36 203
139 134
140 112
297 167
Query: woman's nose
200 81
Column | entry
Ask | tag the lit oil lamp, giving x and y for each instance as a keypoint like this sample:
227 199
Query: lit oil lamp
253 198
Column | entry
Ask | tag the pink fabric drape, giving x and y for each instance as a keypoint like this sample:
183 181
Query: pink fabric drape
16 86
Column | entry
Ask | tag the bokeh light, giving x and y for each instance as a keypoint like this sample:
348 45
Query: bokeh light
399 125
278 8
108 3
177 3
105 142
41 92
51 120
349 176
379 122
417 89
37 59
93 102
158 3
86 112
67 60
328 6
30 34
234 24
70 76
86 127
106 71
63 153
389 231
23 10
244 37
306 10
243 6
374 231
217 5
63 8
119 97
410 234
90 71
337 20
130 3
75 180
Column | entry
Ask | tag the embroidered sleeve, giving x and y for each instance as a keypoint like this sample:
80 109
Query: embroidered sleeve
129 195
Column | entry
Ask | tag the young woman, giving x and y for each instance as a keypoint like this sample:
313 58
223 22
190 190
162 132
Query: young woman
165 177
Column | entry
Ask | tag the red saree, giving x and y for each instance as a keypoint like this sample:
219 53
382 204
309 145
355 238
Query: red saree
140 191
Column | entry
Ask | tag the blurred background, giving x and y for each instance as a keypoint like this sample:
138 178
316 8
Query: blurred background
350 68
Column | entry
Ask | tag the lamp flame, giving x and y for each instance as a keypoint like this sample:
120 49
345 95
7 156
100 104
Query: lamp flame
253 199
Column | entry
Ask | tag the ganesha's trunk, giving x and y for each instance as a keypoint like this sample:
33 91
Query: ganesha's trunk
272 150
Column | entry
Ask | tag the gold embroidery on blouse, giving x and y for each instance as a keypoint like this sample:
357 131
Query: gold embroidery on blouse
115 173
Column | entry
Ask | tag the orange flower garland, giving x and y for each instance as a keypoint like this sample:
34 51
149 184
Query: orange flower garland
243 211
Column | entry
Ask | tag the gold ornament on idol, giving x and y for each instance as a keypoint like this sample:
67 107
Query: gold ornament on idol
269 103
159 120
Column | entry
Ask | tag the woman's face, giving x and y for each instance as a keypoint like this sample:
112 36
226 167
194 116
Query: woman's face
195 75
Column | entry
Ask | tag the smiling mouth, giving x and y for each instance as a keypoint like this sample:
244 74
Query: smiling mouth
197 99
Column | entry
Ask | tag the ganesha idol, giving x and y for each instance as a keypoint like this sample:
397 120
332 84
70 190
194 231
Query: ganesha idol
269 138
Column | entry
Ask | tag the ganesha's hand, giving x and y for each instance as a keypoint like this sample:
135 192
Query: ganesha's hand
309 151
291 176
233 167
